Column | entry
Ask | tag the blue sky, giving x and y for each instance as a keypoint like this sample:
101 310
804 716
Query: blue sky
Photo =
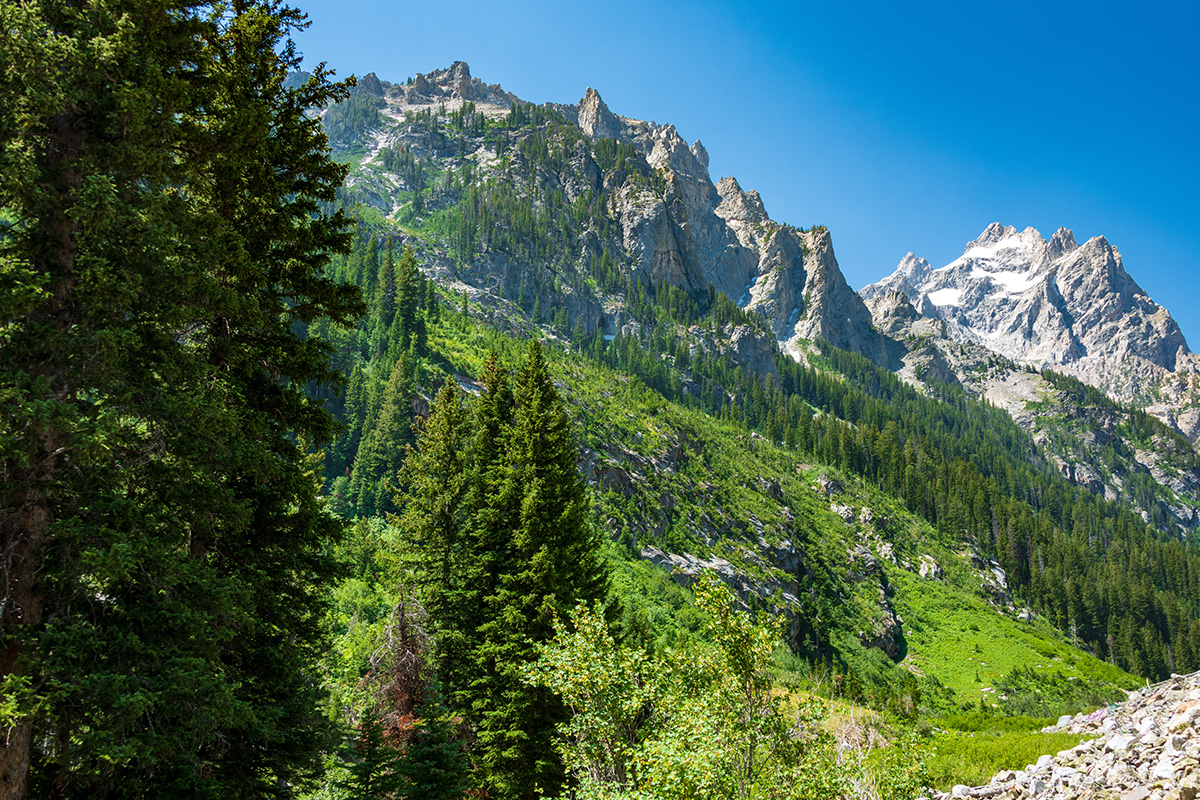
901 126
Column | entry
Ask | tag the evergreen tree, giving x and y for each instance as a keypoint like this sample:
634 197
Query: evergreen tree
409 294
497 518
550 564
162 545
436 478
375 769
434 766
383 447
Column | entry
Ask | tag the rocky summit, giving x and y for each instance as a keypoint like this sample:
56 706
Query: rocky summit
1147 748
1050 304
676 227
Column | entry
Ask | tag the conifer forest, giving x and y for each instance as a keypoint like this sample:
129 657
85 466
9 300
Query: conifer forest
353 454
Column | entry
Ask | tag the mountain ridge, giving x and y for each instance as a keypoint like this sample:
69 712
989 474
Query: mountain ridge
652 215
1051 304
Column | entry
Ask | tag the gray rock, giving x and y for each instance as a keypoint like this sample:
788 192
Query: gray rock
1050 304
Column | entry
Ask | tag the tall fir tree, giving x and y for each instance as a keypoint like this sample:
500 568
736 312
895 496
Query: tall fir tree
162 544
382 451
434 766
549 562
436 478
501 540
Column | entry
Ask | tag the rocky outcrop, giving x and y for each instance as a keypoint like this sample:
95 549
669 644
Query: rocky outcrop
801 289
1146 747
453 86
595 119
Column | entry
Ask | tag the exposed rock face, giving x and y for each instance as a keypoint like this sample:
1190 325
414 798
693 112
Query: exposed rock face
1055 304
596 120
1148 747
453 86
697 233
675 225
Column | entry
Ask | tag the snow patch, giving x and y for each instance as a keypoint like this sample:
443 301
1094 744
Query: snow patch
1012 282
945 297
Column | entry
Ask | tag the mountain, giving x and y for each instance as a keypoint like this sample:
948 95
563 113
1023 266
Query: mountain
1054 305
735 397
672 224
1015 315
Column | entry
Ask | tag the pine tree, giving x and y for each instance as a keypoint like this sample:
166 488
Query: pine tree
436 478
409 293
496 515
434 766
162 544
375 769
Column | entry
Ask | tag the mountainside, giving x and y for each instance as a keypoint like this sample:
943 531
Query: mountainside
606 237
639 203
1015 304
1053 304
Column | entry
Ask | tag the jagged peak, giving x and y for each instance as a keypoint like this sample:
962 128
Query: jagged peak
737 204
595 118
913 266
991 235
1062 242
700 153
728 186
370 84
592 98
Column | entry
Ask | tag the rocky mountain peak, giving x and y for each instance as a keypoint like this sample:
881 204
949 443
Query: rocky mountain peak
1052 303
991 235
370 84
1062 242
595 119
700 153
738 205
910 273
671 152
453 83
913 266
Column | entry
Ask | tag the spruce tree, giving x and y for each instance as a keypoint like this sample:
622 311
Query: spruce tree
496 514
383 447
162 545
434 767
436 478
375 769
548 564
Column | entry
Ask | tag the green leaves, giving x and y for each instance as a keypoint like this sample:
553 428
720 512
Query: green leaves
162 543
696 723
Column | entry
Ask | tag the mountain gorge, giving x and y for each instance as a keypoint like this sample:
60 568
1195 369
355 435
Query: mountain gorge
840 458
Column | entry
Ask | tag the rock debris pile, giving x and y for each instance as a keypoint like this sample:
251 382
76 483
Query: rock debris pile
1147 748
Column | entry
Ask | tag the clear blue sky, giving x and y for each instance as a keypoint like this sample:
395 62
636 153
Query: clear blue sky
901 126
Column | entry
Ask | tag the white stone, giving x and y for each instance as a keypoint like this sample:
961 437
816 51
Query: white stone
1165 769
1117 744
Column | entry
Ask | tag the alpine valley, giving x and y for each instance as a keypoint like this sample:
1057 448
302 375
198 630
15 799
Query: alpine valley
972 487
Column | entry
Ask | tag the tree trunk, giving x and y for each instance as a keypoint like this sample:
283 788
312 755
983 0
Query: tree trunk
21 606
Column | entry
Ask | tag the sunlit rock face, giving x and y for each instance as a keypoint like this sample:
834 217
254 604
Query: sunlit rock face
1049 303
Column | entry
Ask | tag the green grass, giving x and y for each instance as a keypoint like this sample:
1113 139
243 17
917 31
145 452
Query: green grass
972 649
972 758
